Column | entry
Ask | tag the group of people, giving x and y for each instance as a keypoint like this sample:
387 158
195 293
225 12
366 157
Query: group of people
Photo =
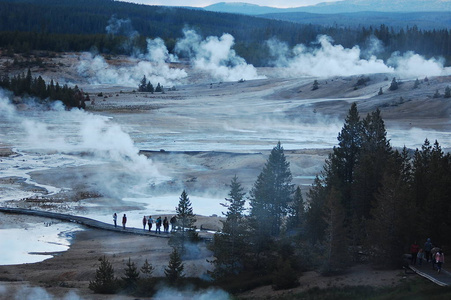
429 253
148 221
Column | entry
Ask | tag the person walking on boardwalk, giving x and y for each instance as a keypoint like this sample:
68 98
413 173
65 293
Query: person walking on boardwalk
166 225
439 260
173 223
144 222
158 225
433 252
124 221
149 222
414 248
420 257
115 219
427 250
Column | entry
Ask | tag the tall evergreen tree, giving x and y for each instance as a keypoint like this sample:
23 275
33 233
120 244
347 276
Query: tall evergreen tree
296 211
374 155
392 223
229 245
271 195
315 224
437 185
340 167
185 222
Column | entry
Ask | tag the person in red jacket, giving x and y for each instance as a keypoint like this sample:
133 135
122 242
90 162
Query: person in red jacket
414 248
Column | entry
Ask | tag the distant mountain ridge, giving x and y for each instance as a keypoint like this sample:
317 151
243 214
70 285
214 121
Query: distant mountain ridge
346 6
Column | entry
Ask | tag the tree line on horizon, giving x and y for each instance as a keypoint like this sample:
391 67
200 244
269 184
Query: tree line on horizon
73 25
27 85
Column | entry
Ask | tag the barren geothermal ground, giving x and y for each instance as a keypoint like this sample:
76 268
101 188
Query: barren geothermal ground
134 153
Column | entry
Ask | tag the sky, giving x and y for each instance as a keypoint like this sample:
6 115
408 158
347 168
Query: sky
203 3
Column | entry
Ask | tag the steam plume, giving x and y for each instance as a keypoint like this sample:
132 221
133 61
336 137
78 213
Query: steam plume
216 57
327 60
335 60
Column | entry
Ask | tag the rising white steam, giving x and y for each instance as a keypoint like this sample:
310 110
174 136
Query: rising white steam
99 139
216 57
157 52
413 65
328 59
152 64
97 70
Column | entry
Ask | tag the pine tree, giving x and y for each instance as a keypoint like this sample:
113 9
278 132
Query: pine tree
174 271
229 246
143 84
392 225
149 88
131 276
147 282
436 190
315 85
271 195
185 222
104 281
147 269
296 211
371 166
315 225
341 164
393 85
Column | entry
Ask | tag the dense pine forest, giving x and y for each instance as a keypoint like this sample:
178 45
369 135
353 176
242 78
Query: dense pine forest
70 25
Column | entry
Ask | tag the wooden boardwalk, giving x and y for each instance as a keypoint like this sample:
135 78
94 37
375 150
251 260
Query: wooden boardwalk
425 270
82 221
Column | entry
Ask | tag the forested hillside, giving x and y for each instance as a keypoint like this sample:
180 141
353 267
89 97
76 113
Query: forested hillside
70 25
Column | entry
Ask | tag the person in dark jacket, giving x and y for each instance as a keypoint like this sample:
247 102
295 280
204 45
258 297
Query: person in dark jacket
144 222
173 223
124 221
166 225
158 225
427 250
